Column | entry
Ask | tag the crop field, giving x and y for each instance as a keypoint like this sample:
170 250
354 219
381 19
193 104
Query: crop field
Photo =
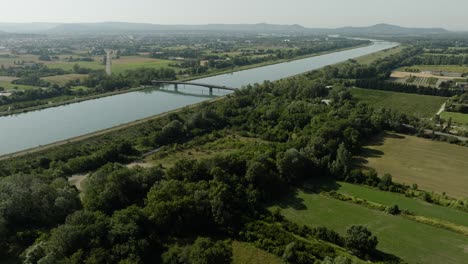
118 65
434 166
367 59
424 106
245 253
447 68
421 81
416 206
413 242
63 79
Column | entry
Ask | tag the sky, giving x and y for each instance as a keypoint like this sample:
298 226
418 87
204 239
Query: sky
450 14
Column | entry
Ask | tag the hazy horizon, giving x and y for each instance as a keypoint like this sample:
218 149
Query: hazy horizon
448 14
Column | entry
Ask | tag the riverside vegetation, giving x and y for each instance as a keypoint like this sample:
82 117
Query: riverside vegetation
194 210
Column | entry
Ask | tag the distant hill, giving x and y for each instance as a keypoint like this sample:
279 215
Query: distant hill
26 27
112 27
123 27
386 29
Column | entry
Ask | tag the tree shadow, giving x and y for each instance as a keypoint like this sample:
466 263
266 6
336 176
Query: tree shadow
385 257
291 200
318 185
379 140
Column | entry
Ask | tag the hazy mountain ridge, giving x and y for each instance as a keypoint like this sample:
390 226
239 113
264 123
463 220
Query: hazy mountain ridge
111 27
123 27
387 29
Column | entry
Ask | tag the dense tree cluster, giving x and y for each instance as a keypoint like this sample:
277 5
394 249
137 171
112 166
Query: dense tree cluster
165 214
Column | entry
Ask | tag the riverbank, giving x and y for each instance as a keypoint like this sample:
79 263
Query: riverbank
100 132
191 78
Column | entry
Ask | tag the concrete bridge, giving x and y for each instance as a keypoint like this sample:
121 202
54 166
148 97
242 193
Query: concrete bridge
209 86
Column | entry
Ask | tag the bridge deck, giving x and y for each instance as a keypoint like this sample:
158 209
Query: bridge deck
196 84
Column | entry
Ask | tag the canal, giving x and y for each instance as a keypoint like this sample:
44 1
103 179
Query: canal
32 129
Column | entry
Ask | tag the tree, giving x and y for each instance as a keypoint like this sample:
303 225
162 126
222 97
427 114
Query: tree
339 168
202 251
394 210
360 240
292 165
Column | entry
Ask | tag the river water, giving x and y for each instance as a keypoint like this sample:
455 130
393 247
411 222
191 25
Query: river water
32 129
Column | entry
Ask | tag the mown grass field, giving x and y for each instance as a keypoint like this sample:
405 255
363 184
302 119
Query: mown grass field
246 253
423 106
10 86
447 68
413 242
434 166
63 79
459 118
416 206
368 59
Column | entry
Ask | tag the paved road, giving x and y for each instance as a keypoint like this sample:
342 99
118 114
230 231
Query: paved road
429 131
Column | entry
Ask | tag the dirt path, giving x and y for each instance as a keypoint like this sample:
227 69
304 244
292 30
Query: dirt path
441 109
77 180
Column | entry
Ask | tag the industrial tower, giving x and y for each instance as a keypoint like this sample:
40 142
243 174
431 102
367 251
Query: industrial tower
108 61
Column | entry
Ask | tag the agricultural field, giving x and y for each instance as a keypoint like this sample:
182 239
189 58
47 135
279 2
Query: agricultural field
444 68
411 241
416 206
246 253
421 81
379 55
118 65
424 106
434 166
63 79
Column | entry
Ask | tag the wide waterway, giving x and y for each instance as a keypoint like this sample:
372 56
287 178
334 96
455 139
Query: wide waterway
32 129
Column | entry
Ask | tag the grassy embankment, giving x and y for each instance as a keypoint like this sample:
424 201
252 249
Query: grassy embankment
368 59
423 106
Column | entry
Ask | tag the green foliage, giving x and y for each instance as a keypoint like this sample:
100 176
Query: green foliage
202 251
360 240
115 187
394 210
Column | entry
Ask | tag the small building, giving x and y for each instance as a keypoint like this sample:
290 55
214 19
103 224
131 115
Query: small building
204 62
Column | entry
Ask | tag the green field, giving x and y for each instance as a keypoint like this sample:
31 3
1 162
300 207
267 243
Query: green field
416 206
447 68
118 65
424 106
10 86
367 59
63 79
245 253
459 118
413 242
434 166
